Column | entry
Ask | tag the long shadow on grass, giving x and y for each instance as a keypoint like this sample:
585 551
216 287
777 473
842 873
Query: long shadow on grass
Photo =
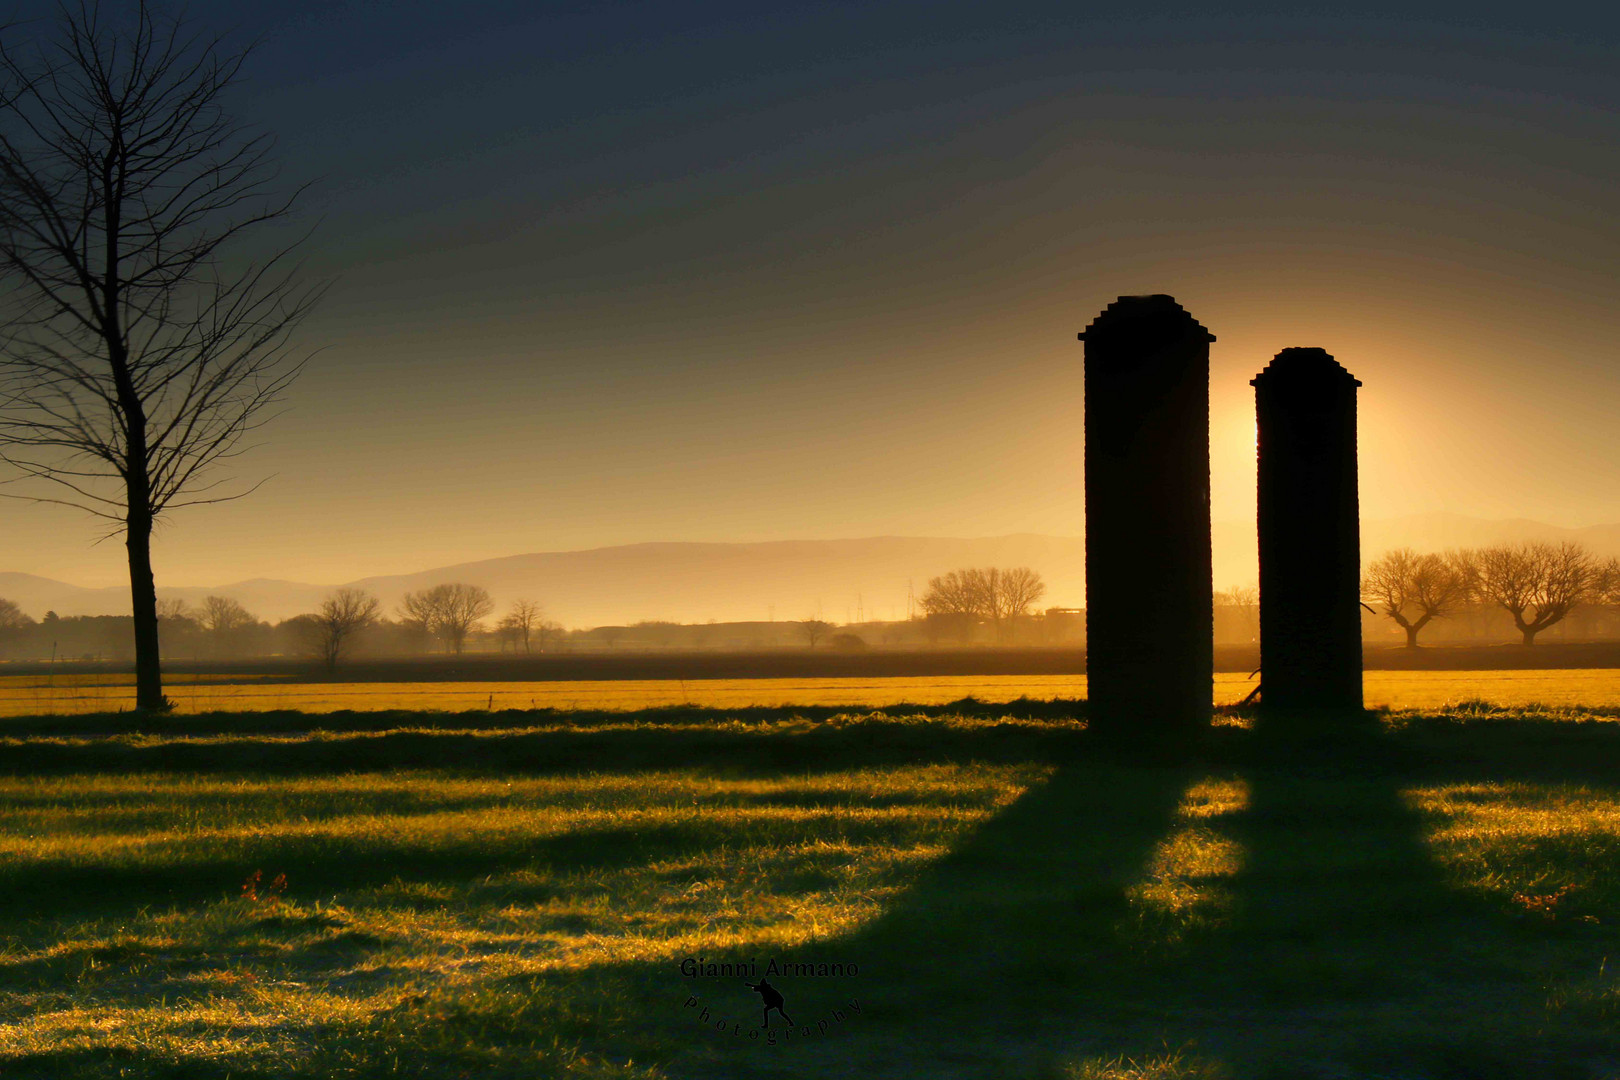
294 722
786 743
1003 956
1006 946
317 867
1351 953
1343 951
1489 743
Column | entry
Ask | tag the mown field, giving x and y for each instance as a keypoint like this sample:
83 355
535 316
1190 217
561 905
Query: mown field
1433 894
23 695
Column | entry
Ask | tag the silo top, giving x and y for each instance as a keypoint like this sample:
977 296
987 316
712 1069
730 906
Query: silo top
1301 367
1131 315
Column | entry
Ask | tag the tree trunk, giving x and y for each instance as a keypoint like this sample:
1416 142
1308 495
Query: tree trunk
143 598
1412 629
1529 634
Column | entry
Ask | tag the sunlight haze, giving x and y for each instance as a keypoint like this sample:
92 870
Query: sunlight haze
691 284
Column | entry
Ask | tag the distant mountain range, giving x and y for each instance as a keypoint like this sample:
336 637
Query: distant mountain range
839 580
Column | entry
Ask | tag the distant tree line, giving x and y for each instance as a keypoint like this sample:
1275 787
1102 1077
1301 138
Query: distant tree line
1537 585
347 622
1529 587
352 623
1237 615
455 617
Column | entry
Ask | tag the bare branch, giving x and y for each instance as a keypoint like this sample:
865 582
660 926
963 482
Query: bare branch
137 349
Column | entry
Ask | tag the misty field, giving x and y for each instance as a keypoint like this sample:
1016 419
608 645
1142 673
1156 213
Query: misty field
27 695
990 897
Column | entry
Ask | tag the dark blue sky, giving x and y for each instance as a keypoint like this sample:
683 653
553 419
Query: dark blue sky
609 273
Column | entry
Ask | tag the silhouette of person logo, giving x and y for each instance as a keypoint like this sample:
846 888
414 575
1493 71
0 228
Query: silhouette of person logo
773 1000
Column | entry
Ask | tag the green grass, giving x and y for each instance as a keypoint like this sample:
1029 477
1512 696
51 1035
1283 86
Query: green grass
512 894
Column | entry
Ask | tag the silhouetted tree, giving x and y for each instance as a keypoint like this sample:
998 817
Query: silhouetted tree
133 356
956 593
608 635
508 634
178 625
1245 600
996 596
1415 589
15 627
341 617
226 623
520 623
814 630
547 634
222 615
1537 583
1010 595
954 600
12 617
449 612
1607 588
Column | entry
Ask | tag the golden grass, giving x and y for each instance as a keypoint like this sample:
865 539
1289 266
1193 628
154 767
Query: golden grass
35 695
1188 878
1525 840
1180 1064
1046 921
484 881
27 697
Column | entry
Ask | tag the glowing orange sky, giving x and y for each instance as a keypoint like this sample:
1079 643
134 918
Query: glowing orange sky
837 295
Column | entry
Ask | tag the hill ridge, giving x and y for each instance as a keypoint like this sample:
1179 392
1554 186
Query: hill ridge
695 580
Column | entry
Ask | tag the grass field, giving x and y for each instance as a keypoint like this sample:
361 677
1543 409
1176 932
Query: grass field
69 694
248 897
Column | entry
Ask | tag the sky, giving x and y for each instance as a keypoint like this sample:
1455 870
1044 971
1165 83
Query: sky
611 273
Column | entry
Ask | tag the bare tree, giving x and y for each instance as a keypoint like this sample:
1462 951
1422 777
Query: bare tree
814 630
418 613
341 617
226 622
520 623
508 634
178 625
955 599
134 354
1415 589
449 612
12 617
607 635
1244 596
996 596
1538 583
547 634
1606 591
222 615
1011 594
1245 600
955 593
